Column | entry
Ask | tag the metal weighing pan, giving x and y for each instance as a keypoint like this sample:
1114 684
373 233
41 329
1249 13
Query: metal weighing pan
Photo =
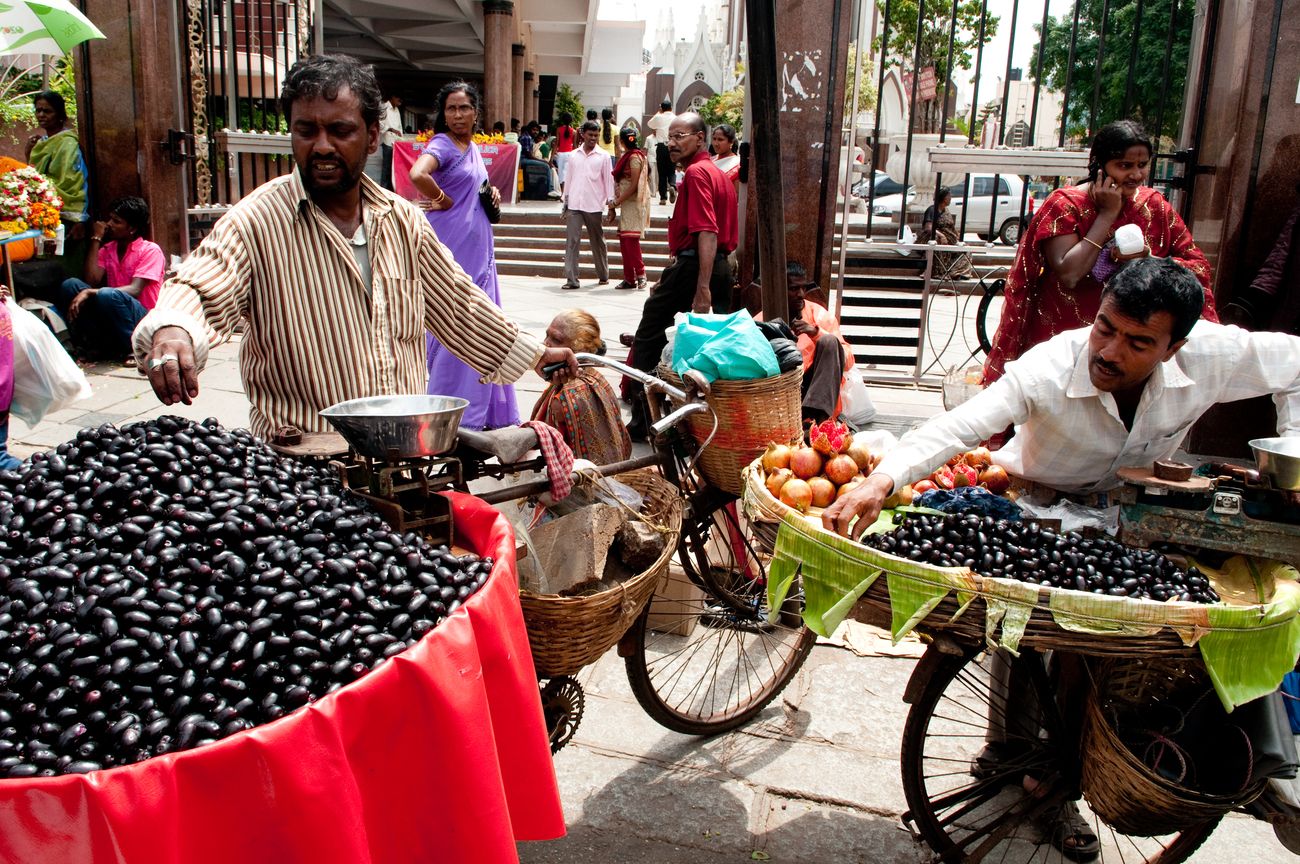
398 427
1279 460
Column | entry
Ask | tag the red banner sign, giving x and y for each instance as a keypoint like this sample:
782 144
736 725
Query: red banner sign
501 160
926 86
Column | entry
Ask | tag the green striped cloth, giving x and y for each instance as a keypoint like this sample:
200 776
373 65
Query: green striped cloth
1247 649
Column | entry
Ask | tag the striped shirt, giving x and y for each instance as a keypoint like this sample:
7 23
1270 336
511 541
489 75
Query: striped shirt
315 335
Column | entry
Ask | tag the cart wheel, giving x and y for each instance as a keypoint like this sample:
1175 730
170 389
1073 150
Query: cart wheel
562 704
704 659
982 333
967 811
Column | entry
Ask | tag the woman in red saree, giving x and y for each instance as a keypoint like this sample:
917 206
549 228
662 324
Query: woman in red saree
1065 255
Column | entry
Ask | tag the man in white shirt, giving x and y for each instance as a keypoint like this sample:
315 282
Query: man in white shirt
390 132
1121 393
663 161
588 192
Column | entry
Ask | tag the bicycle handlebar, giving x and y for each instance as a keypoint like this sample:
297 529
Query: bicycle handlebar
585 359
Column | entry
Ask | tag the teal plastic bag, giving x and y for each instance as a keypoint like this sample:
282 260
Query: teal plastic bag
727 347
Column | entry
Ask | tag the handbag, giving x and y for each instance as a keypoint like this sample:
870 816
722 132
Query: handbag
490 207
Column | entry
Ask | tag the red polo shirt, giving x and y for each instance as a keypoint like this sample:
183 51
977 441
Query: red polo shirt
706 201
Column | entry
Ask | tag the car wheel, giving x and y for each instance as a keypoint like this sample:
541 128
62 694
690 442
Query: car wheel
1010 233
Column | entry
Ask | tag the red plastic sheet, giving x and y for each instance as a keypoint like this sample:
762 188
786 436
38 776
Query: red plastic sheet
440 755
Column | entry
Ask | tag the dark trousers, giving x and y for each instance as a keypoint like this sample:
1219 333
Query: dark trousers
574 220
821 380
386 173
106 320
675 293
664 165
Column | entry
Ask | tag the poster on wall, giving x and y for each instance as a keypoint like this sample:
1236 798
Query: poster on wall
501 161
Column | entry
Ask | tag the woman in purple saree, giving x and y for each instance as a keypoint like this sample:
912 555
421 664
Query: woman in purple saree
449 173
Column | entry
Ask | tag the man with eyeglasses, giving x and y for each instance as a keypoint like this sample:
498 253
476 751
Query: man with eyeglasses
702 232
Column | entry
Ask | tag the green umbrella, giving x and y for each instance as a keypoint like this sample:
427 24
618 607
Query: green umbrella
44 27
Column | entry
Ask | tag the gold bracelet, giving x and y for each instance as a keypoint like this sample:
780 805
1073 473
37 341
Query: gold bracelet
1093 242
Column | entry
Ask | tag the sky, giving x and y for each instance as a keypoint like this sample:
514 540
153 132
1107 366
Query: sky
1029 14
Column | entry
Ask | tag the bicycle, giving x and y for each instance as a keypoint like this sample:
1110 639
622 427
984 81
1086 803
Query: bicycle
702 657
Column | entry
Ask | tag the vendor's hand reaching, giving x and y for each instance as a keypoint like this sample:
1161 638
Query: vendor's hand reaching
865 502
1106 192
170 366
74 308
559 355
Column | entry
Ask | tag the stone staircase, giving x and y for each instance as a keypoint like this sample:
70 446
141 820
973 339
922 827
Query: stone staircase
530 242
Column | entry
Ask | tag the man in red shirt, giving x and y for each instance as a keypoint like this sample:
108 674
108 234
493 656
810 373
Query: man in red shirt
701 233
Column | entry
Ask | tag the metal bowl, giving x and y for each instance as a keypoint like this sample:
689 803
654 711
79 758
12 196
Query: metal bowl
1278 460
398 427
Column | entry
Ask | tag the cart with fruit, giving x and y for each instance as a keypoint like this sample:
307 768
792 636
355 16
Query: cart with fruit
1142 649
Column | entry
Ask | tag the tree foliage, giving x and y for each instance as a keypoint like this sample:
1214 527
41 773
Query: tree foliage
19 82
567 99
933 36
866 83
725 107
1127 91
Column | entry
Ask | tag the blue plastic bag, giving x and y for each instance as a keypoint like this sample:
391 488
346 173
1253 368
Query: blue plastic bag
727 347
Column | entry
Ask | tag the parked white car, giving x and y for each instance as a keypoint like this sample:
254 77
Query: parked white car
979 205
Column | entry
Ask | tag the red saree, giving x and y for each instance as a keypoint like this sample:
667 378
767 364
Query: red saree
1037 306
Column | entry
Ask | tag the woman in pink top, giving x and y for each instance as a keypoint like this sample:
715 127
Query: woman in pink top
123 274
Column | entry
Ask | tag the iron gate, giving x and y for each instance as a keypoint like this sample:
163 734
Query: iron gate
237 54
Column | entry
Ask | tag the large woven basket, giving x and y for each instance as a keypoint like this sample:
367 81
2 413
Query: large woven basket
751 415
567 633
1119 787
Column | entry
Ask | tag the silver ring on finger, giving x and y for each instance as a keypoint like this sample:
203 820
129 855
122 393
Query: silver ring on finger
159 362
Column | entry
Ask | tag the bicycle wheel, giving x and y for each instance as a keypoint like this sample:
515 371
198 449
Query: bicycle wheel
703 658
969 811
982 313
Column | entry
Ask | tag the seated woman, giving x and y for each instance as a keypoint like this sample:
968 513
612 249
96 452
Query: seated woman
584 409
123 274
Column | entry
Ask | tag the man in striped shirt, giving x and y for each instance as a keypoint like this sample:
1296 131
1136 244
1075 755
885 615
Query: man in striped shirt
337 278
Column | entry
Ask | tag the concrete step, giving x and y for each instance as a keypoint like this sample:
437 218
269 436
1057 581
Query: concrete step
530 244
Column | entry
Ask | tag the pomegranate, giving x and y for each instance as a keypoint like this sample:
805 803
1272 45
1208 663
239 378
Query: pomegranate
943 478
923 486
979 458
829 437
995 479
901 498
796 493
777 479
861 454
776 456
823 491
964 475
805 462
849 486
841 469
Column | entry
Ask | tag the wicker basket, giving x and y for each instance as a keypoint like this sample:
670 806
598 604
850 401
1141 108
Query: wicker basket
1119 787
1042 633
751 415
567 633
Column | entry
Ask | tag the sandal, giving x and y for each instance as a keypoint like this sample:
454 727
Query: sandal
626 339
624 286
1069 833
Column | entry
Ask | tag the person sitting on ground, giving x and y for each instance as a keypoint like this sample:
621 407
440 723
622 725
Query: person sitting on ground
827 358
123 273
584 409
529 141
